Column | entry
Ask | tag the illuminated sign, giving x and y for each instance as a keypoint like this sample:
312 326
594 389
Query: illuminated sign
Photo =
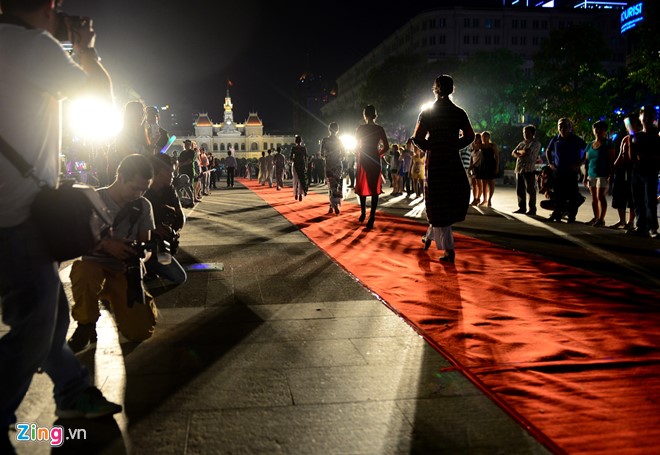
632 16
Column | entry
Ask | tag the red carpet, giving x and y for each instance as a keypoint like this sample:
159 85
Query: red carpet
573 356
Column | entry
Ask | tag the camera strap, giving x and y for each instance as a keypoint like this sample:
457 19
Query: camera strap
24 168
130 211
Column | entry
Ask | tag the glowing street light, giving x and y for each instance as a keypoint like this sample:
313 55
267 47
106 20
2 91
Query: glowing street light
349 142
93 119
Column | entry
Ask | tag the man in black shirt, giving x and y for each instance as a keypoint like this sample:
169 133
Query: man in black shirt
187 168
565 154
169 220
645 154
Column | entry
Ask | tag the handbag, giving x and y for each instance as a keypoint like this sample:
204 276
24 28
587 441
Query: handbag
72 218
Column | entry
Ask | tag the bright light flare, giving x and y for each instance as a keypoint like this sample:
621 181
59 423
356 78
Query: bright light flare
426 106
94 119
349 142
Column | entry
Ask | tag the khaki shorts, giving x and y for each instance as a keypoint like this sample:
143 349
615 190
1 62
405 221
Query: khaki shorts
598 182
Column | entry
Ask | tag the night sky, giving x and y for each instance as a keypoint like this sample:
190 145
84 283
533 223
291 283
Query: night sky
182 52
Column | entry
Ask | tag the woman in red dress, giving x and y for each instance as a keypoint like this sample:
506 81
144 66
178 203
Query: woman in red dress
371 146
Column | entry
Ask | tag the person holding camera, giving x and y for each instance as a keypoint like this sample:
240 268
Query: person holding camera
169 219
114 271
37 73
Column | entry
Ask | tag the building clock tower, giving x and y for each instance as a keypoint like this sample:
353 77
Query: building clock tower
228 125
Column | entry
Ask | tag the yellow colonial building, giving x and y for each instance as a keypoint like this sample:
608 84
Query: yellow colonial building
246 140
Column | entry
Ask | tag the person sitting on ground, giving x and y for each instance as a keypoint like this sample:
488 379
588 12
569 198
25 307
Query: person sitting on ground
564 155
169 220
103 275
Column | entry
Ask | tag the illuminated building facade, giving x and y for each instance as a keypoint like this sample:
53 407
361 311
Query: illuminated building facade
585 4
246 140
459 32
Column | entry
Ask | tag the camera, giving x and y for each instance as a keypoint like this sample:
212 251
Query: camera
67 26
158 246
134 283
135 269
169 218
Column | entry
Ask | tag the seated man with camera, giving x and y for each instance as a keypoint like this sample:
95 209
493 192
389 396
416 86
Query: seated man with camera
114 271
169 218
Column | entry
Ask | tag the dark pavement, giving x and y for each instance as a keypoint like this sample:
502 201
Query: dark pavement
275 349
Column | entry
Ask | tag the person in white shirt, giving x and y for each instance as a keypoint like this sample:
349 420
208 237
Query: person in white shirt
526 154
37 74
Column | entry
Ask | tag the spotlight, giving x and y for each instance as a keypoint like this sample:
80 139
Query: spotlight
350 143
93 119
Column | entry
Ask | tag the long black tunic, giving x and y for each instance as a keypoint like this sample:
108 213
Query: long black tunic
447 189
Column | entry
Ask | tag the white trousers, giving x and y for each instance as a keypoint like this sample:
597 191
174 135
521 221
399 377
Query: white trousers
444 239
298 190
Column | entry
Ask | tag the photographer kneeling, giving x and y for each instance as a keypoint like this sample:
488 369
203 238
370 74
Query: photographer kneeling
113 271
169 219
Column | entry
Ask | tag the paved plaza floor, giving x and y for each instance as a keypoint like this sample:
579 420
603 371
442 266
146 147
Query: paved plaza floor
273 348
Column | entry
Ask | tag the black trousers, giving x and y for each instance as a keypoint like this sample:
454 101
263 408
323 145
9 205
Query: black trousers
567 194
526 184
230 176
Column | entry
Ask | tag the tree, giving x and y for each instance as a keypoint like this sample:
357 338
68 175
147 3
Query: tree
644 60
490 87
390 87
568 79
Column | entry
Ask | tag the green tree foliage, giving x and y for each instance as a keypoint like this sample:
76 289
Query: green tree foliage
489 86
638 83
644 61
390 87
568 79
